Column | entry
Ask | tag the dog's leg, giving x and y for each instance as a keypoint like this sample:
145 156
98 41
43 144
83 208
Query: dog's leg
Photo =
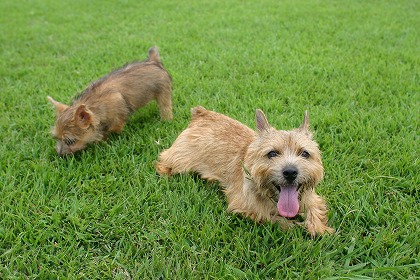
178 158
117 127
162 166
164 101
316 213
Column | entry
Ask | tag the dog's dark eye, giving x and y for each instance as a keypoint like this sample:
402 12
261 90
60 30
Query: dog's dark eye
305 154
69 141
272 154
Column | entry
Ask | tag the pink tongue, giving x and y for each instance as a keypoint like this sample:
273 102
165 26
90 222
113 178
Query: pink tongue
288 204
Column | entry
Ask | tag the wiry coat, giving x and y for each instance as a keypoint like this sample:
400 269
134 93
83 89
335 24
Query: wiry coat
222 149
106 104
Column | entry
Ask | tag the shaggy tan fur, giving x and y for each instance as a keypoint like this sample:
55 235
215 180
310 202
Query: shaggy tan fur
106 104
266 174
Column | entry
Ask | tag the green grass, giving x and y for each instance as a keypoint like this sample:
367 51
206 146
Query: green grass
103 213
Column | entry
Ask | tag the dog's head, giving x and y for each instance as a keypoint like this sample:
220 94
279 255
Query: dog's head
284 164
74 127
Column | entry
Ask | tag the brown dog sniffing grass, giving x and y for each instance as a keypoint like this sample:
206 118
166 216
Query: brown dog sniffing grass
106 104
267 175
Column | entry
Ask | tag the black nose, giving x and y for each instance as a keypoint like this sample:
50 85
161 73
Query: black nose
290 173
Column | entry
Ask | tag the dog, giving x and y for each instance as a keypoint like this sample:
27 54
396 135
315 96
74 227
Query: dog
267 174
106 104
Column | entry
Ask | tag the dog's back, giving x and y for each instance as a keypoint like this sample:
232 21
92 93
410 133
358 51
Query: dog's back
211 140
137 82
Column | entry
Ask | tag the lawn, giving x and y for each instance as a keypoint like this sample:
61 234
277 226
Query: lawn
104 213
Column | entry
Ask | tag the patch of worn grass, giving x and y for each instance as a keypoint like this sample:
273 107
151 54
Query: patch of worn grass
104 213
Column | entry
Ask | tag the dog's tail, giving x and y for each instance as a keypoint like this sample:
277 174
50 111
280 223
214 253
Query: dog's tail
154 54
199 110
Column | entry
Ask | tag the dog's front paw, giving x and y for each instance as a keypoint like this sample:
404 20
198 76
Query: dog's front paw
318 229
162 169
284 223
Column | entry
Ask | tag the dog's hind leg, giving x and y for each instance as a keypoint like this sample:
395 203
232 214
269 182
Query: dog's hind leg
164 101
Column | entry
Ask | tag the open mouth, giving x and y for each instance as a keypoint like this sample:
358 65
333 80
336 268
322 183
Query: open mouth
288 202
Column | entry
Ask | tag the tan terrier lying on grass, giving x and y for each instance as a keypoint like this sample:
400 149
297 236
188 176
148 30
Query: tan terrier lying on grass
106 104
268 175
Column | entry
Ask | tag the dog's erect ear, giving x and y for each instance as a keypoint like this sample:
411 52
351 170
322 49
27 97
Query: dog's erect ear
83 116
304 127
261 119
59 106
